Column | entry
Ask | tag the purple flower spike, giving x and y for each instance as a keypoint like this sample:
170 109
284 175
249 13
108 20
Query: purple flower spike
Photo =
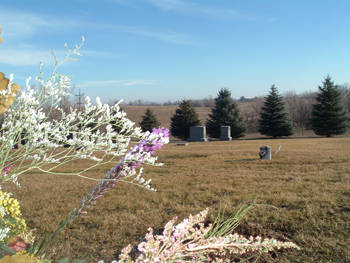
142 150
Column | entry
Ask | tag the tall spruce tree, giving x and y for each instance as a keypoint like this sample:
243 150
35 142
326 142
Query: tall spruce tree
328 117
184 118
149 121
225 113
274 120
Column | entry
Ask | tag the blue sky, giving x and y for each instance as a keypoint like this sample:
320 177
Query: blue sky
160 50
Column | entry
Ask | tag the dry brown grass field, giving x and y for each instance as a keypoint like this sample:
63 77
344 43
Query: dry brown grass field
307 181
164 113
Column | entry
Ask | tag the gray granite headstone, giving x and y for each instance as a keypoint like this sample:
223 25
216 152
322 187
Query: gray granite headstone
225 133
197 134
265 153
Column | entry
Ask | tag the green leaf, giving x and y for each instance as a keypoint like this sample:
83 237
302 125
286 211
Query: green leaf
65 260
40 246
7 248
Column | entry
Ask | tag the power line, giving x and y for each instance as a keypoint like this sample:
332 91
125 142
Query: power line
79 97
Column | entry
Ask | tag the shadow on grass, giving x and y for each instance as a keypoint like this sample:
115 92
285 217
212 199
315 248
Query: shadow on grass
242 160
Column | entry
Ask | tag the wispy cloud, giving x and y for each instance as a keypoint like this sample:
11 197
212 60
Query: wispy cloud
123 3
179 6
167 36
140 82
27 55
120 83
18 25
16 57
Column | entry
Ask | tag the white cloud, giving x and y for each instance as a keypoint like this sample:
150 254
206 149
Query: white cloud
99 83
16 57
182 7
120 83
18 25
140 82
25 55
168 36
124 3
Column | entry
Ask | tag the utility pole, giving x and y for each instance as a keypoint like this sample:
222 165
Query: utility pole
79 98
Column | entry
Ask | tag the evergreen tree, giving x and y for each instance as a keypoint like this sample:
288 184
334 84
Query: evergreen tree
149 121
328 117
274 120
184 118
225 113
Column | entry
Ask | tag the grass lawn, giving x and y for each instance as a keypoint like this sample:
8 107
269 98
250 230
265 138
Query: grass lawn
307 181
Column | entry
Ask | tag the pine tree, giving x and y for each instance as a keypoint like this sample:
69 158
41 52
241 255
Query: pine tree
225 113
328 117
184 118
274 120
149 121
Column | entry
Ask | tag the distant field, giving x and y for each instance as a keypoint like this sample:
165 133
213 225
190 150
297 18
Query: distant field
164 113
308 181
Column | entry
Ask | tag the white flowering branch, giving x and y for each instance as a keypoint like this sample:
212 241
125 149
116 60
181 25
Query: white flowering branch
26 119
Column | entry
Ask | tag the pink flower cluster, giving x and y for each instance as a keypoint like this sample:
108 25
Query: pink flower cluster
140 152
187 242
6 170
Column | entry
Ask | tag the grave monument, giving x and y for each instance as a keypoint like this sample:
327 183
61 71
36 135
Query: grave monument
197 134
225 133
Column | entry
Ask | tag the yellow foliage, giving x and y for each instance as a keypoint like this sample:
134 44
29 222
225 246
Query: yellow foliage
18 259
6 101
12 218
10 205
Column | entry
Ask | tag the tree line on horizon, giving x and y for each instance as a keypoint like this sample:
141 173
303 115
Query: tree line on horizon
273 115
206 102
323 112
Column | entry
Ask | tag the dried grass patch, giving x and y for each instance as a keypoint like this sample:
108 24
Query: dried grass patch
307 180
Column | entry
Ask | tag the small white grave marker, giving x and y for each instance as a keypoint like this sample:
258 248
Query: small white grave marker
265 153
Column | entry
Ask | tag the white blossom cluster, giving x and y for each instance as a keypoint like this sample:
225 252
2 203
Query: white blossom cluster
3 232
143 182
188 242
91 129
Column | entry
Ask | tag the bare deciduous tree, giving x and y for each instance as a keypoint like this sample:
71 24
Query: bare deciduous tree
256 105
291 99
345 93
303 109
